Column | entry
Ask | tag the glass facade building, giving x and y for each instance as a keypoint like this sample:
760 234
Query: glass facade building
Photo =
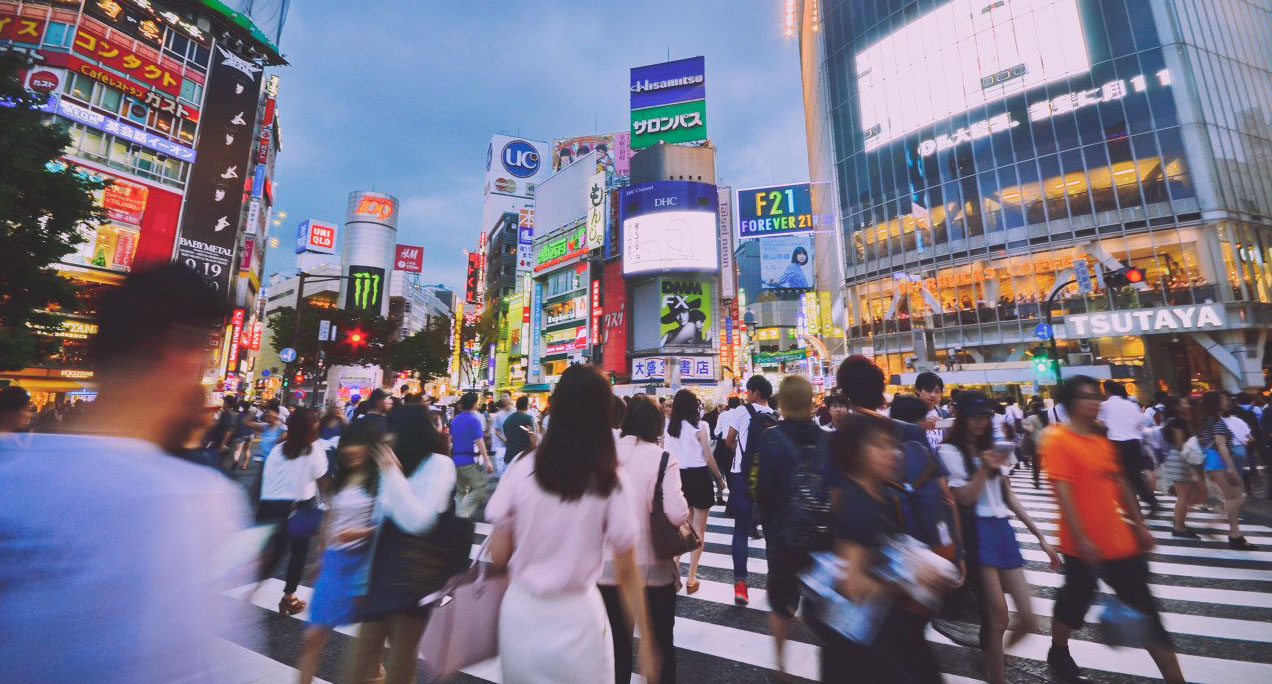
980 153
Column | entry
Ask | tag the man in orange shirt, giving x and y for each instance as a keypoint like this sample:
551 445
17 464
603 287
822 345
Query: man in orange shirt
1096 539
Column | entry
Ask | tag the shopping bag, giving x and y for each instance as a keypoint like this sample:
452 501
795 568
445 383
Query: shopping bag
463 628
1121 625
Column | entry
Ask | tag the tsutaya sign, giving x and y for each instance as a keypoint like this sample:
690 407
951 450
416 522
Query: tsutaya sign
1201 317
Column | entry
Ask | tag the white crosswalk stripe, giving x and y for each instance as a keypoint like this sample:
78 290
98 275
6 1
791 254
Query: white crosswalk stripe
1217 604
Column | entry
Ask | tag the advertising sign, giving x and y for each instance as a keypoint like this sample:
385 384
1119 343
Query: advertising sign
668 82
130 20
515 166
669 226
366 289
471 288
649 369
728 279
776 210
209 228
236 333
697 368
375 209
613 320
21 29
245 259
536 326
1145 321
525 240
595 313
408 258
685 313
143 95
786 262
106 246
963 55
613 155
106 124
597 197
560 250
674 123
118 55
775 358
316 236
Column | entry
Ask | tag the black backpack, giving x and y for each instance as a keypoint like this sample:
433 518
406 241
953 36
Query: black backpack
760 421
808 517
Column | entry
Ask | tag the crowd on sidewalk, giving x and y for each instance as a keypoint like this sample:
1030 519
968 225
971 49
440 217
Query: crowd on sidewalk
878 513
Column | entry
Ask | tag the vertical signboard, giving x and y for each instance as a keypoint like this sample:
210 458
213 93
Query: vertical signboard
525 240
597 197
595 314
668 103
209 227
366 289
536 325
236 333
728 279
471 293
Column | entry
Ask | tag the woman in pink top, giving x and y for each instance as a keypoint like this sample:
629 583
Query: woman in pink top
555 512
639 458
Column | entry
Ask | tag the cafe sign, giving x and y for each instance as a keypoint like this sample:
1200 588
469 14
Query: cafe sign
1201 317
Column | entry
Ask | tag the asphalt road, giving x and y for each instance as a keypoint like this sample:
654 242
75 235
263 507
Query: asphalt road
1217 604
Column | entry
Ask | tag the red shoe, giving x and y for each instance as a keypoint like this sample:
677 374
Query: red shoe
740 596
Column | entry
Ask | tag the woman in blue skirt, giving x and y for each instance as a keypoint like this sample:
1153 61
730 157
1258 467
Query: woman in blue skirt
978 470
346 535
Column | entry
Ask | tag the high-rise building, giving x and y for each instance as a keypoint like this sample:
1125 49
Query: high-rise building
978 155
169 100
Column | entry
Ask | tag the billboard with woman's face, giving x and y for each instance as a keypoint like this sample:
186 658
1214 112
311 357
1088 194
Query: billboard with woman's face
786 262
685 310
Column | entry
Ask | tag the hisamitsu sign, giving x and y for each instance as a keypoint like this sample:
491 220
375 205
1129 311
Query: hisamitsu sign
1201 317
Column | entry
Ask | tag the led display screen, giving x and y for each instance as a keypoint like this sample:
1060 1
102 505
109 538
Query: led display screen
965 54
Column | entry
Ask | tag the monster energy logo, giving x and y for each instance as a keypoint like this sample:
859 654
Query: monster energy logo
366 289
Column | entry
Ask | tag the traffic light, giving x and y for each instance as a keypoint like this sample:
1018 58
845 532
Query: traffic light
1127 275
356 338
300 378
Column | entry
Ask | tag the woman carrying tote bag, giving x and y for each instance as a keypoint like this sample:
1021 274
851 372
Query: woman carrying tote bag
639 458
555 511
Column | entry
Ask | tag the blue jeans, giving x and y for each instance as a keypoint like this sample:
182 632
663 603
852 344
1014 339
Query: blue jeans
743 522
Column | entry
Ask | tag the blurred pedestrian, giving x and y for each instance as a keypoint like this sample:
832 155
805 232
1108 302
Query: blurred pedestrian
1216 440
16 410
289 480
472 462
519 431
554 513
345 541
498 438
748 420
1186 478
112 553
1126 424
1102 534
332 422
639 457
686 440
415 483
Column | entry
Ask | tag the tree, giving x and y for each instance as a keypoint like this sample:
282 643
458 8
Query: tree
377 333
43 203
427 352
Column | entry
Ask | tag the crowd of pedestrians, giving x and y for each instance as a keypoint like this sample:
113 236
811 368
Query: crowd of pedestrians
596 508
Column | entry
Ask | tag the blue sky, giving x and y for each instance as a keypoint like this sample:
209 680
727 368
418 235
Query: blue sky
405 99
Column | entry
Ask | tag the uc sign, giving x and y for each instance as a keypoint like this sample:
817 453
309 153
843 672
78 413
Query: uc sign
379 207
520 159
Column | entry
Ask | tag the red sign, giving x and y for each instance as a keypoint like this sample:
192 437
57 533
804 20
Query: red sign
409 258
471 289
125 60
21 29
124 201
257 330
322 236
136 90
596 312
249 244
236 332
43 81
378 207
613 338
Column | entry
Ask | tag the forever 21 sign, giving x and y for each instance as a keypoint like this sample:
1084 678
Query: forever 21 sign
214 202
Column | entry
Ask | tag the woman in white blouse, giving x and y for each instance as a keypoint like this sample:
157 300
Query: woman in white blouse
417 479
687 442
555 512
290 478
639 457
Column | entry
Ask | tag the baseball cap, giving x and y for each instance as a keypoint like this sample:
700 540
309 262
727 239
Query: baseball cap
973 403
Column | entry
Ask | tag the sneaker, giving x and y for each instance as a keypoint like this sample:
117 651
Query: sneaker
1240 544
740 596
1062 665
1184 534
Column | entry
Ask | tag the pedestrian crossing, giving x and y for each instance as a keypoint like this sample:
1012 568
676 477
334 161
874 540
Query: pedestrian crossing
1216 602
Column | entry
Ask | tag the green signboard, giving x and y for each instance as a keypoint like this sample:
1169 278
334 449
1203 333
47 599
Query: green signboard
774 358
674 123
562 249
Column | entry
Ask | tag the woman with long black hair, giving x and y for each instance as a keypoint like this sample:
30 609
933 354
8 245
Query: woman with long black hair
686 440
1176 472
978 477
289 479
555 512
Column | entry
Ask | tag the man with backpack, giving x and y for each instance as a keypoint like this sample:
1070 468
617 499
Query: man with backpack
793 495
747 423
1243 409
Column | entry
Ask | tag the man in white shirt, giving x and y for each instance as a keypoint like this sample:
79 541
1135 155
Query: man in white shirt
929 387
1126 424
115 553
498 441
758 391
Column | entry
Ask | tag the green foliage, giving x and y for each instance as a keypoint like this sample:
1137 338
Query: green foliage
41 209
427 352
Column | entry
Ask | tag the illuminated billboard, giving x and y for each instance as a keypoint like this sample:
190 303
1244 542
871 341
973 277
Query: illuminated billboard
669 226
961 55
777 210
786 262
316 236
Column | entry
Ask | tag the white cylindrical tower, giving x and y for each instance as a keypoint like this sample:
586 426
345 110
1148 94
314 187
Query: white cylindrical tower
366 255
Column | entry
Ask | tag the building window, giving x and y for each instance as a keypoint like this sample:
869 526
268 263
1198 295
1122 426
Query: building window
59 35
191 92
109 99
80 87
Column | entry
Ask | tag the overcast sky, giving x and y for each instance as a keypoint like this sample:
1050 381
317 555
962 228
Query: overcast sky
403 96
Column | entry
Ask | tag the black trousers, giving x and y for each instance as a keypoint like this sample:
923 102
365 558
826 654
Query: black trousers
276 511
1127 576
899 655
1131 456
662 615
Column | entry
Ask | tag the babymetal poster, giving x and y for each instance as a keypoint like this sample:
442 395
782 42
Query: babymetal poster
214 201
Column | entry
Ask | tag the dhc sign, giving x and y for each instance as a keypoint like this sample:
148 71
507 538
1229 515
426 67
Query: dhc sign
1201 317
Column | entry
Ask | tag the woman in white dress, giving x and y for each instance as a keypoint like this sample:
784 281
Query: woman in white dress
554 513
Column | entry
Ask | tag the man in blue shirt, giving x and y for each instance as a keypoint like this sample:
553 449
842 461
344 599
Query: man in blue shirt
472 464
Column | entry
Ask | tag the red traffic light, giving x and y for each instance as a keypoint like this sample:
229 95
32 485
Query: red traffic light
300 377
355 338
1134 275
